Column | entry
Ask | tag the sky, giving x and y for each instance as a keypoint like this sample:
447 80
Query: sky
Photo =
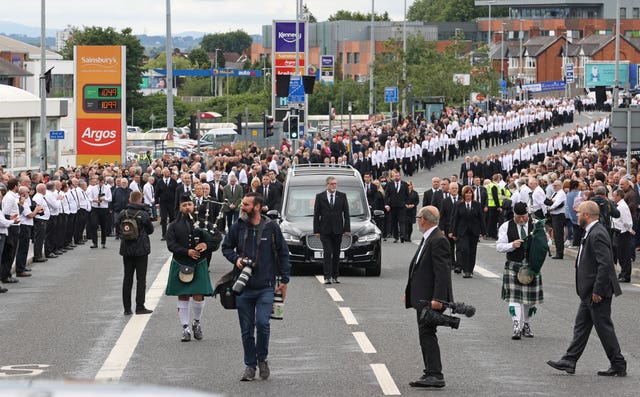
208 16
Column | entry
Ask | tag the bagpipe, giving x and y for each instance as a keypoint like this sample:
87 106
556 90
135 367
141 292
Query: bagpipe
537 241
203 221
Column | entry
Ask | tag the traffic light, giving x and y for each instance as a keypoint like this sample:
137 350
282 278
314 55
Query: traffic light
193 128
293 126
285 122
238 124
268 126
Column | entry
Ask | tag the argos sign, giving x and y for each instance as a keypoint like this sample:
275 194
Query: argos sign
100 94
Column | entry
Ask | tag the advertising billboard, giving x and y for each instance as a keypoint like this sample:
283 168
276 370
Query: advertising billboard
604 74
285 58
100 103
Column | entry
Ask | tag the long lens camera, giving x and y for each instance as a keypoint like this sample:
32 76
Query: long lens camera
244 276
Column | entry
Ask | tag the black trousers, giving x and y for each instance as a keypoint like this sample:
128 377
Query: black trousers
50 239
70 230
331 254
466 249
9 252
61 228
39 234
99 216
166 211
137 265
492 222
80 225
557 223
397 220
24 240
622 242
595 315
430 349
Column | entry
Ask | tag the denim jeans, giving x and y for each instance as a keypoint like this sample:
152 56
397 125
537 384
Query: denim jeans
254 313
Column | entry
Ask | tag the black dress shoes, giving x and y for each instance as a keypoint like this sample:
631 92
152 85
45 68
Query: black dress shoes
144 310
557 257
127 312
3 290
621 372
9 280
51 256
94 246
563 365
395 240
23 274
327 281
428 381
467 275
334 280
457 270
624 279
38 260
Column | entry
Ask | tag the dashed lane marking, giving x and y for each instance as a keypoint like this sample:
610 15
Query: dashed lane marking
335 295
348 316
320 279
385 380
364 342
485 273
120 355
636 285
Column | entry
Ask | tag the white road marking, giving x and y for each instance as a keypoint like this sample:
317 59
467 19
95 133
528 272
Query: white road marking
320 279
636 285
335 295
121 353
349 318
364 342
485 273
385 380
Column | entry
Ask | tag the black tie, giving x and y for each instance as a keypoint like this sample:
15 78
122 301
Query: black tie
266 193
232 189
331 200
415 257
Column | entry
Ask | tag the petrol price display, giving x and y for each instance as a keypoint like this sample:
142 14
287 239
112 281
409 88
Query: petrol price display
102 98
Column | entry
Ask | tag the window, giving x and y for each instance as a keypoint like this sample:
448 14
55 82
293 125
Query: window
5 138
530 63
349 57
623 12
356 57
636 13
19 150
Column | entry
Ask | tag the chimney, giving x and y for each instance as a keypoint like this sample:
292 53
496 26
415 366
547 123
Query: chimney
588 30
534 32
561 31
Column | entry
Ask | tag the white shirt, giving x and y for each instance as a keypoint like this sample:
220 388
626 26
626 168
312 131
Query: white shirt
39 199
503 245
425 236
624 223
54 204
93 193
4 224
26 211
83 200
10 203
559 197
148 194
134 186
586 233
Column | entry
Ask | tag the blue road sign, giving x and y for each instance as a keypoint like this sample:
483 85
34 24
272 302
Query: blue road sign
390 94
296 90
56 134
569 73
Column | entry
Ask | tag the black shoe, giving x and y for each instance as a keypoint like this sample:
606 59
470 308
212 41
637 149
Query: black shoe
162 238
3 290
144 310
457 270
395 240
624 279
622 372
197 330
104 246
23 274
557 257
384 239
79 242
9 280
68 247
428 381
51 256
94 246
563 365
327 281
59 252
335 280
467 275
38 260
127 312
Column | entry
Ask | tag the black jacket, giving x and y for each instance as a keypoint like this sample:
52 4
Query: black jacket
166 194
466 221
327 220
395 198
120 198
180 238
141 246
595 273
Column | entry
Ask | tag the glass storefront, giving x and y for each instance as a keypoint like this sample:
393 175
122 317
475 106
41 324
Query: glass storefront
21 144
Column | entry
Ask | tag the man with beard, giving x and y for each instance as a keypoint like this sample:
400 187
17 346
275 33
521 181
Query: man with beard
258 239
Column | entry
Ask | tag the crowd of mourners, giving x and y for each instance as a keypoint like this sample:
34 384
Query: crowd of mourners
58 211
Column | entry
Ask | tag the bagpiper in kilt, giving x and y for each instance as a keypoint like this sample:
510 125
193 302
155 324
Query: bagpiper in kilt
522 297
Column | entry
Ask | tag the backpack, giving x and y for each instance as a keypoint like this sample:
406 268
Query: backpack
129 227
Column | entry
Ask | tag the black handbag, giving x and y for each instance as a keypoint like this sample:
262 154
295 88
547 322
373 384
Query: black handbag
223 288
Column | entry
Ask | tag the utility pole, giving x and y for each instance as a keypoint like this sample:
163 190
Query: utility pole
169 76
43 90
404 60
616 84
372 57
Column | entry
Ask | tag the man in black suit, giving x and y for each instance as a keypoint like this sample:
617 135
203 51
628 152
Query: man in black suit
330 222
466 166
429 283
466 227
448 207
184 188
369 189
596 284
396 196
468 179
165 196
441 194
427 197
270 193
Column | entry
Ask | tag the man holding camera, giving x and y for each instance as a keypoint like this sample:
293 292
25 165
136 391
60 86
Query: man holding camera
100 197
512 240
257 243
430 282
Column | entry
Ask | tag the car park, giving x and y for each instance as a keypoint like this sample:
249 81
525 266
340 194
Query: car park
361 248
218 137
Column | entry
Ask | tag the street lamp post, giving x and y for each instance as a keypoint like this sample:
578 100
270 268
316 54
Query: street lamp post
489 33
215 91
404 60
372 58
502 61
521 70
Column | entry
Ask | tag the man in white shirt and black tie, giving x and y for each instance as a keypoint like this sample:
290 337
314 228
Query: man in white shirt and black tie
557 210
100 197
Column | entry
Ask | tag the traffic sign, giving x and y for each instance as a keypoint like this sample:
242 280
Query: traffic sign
56 134
296 90
569 73
391 94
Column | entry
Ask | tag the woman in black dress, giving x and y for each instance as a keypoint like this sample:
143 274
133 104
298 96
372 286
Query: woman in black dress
412 207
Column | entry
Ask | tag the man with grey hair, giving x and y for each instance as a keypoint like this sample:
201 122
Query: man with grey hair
429 284
232 195
556 209
40 223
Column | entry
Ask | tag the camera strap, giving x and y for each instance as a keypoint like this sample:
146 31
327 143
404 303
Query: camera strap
259 229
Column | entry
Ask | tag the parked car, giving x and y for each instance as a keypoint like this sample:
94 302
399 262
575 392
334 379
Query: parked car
361 248
218 137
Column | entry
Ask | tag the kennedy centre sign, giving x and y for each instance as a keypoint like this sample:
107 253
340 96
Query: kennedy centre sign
284 57
100 104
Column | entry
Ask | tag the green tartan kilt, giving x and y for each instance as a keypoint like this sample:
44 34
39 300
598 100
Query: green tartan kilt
200 285
514 291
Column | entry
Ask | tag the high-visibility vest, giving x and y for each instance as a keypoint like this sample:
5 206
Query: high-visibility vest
490 200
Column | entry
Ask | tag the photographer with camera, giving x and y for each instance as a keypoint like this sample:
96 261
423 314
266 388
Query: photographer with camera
256 247
429 282
189 272
513 241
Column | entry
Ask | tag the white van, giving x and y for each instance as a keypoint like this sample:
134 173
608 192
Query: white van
218 137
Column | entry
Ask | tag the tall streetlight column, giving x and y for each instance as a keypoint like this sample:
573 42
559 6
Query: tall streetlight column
43 90
169 77
489 33
404 60
502 61
616 84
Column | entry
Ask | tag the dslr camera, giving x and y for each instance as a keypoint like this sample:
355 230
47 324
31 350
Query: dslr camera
434 318
33 208
244 276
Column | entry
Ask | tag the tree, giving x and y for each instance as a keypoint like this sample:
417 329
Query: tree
94 35
236 41
310 17
344 15
451 11
199 59
160 62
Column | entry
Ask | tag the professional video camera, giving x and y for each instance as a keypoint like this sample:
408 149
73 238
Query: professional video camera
244 276
434 318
